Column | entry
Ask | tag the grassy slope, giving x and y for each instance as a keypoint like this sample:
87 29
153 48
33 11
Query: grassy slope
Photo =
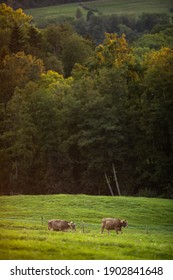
22 235
44 15
132 6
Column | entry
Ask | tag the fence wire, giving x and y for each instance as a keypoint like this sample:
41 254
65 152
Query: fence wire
87 227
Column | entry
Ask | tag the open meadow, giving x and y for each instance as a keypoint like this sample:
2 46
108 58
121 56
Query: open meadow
51 14
24 233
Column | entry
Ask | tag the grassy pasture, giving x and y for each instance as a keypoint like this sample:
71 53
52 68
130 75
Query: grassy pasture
24 234
44 15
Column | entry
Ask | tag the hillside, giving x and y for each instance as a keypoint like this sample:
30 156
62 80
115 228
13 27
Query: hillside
24 234
15 4
45 15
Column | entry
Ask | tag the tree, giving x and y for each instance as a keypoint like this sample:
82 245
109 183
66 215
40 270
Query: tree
34 37
158 119
18 144
147 21
14 25
31 137
154 41
89 14
10 17
75 50
55 34
18 69
16 42
79 13
54 64
102 96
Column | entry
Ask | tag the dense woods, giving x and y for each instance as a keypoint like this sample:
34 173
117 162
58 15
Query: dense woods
78 99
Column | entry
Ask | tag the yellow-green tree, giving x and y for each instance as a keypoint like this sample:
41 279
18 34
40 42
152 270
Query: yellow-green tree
9 17
13 24
18 69
113 52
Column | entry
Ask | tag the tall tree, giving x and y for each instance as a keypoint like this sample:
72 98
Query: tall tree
18 69
75 50
16 42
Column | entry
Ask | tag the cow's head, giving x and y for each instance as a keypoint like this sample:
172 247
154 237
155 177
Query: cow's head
124 223
72 225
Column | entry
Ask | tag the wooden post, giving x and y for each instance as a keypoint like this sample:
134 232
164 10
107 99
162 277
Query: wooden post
107 180
116 180
83 229
146 230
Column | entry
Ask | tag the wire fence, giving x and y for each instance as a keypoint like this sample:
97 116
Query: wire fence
87 227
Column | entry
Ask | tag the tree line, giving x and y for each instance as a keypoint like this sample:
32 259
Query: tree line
95 25
71 110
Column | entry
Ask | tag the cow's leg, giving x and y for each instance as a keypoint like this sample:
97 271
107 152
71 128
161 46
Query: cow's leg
50 228
102 229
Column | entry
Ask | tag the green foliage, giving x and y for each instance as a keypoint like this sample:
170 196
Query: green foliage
18 69
79 13
149 235
16 40
75 50
52 62
68 46
10 17
32 135
61 135
55 34
155 41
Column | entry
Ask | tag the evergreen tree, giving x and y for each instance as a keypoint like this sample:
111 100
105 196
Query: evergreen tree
16 43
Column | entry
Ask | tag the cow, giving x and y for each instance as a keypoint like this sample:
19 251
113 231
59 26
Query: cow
60 225
113 224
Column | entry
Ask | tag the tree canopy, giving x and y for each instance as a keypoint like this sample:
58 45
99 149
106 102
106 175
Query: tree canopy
71 110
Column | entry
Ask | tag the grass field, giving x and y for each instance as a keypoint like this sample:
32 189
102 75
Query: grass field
42 16
24 234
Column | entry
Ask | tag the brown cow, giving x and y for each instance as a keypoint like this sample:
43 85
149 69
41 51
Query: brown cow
60 225
113 224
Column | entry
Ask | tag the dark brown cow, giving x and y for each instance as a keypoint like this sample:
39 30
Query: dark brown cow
60 225
113 224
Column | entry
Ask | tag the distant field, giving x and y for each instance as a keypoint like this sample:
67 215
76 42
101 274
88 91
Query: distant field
24 234
42 16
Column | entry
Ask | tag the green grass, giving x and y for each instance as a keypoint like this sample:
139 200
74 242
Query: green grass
23 236
43 16
131 6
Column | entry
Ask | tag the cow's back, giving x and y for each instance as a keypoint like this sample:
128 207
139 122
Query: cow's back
111 223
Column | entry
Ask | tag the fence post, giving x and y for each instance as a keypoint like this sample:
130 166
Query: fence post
116 180
83 229
146 230
107 180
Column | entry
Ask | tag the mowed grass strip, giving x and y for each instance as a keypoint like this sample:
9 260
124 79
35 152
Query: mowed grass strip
24 234
51 14
45 15
131 6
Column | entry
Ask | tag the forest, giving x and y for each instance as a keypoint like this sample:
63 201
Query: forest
81 100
